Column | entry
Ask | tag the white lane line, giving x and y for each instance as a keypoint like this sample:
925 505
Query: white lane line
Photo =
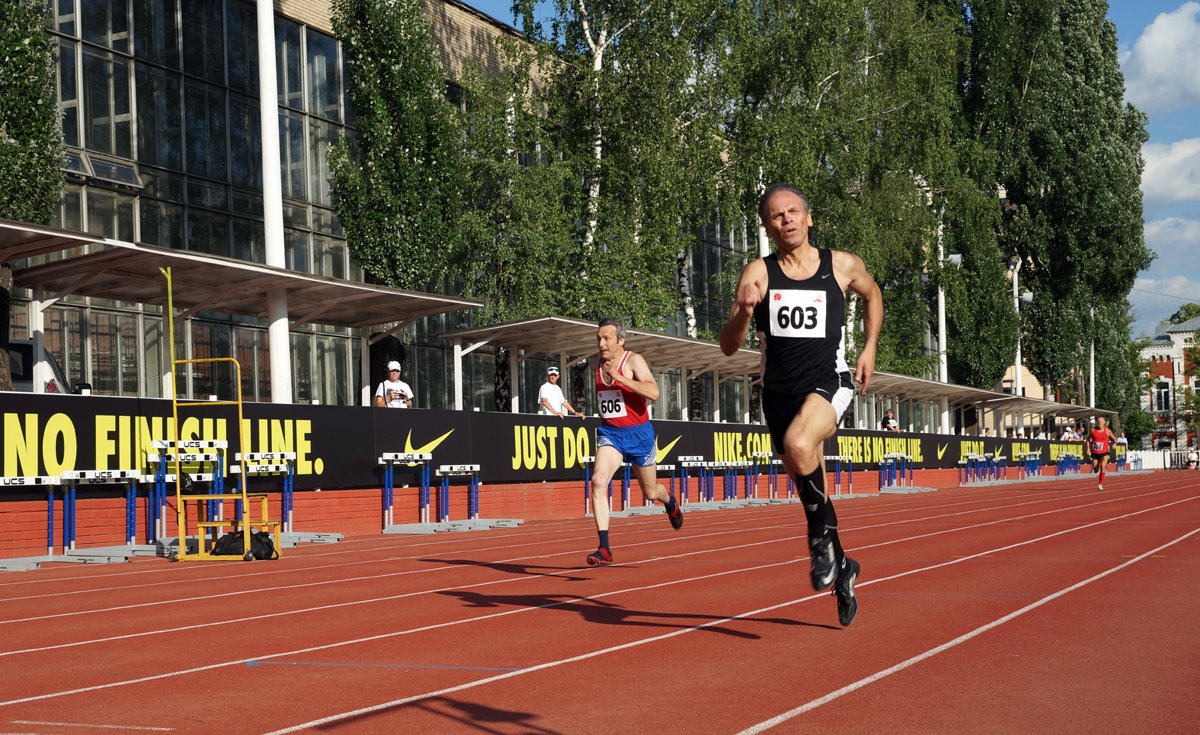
394 634
779 719
340 580
389 598
92 725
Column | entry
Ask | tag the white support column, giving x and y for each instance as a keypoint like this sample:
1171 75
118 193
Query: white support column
458 376
514 380
364 377
747 390
278 329
37 327
716 397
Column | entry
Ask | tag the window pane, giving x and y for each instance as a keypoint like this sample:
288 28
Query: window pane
253 360
324 81
322 135
245 142
155 358
249 242
242 27
204 52
64 16
291 153
162 223
70 208
204 107
302 389
68 95
105 23
160 125
288 78
211 378
110 214
155 31
296 244
106 98
63 332
333 388
330 256
208 232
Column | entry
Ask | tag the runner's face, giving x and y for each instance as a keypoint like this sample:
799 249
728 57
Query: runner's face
606 337
787 219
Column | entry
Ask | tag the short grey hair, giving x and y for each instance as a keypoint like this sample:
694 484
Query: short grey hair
774 189
612 321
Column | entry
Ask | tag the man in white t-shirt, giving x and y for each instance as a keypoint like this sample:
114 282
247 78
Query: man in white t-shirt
393 392
550 397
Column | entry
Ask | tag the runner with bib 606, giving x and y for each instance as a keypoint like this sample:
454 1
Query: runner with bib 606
797 297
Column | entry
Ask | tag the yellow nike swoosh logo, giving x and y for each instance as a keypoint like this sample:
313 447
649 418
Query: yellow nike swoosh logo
661 453
408 447
942 450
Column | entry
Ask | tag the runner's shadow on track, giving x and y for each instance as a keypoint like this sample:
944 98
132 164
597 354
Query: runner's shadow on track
609 613
534 570
466 715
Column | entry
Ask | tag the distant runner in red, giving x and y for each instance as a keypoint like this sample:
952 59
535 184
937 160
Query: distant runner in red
1100 439
624 385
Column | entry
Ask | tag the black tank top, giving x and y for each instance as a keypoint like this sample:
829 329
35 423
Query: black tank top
804 323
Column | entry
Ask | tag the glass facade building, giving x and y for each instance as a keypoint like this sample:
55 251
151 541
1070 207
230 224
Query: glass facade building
160 114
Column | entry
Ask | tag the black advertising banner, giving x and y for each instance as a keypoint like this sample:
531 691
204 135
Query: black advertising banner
339 446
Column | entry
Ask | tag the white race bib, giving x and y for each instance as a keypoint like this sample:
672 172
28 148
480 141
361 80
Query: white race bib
797 313
612 404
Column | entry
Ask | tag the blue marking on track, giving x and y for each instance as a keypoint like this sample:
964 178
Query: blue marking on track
379 666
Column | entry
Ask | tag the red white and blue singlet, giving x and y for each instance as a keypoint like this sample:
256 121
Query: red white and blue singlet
620 406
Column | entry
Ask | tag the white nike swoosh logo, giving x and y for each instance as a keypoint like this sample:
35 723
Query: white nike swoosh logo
824 275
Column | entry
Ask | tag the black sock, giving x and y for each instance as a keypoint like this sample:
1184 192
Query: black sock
818 510
603 539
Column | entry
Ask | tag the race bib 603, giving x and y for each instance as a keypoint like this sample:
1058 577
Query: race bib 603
797 313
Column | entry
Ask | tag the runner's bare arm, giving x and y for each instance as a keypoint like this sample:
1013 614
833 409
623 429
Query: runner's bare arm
752 287
853 275
639 380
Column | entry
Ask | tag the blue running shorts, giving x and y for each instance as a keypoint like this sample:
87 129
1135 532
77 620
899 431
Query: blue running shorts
635 443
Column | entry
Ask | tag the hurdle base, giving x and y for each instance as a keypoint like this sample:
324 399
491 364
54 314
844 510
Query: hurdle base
470 524
906 490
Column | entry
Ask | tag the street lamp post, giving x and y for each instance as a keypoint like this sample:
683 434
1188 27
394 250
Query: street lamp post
1014 264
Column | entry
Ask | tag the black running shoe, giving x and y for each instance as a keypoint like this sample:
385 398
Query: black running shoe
600 557
824 567
676 518
844 592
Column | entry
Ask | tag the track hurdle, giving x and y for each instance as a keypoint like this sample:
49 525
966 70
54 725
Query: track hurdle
1029 464
162 455
892 468
664 468
268 463
73 478
691 462
51 483
389 460
447 471
837 472
772 476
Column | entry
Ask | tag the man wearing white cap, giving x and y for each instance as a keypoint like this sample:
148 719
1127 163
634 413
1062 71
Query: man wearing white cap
551 399
393 392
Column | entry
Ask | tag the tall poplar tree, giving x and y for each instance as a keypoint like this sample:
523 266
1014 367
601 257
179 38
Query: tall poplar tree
397 185
30 134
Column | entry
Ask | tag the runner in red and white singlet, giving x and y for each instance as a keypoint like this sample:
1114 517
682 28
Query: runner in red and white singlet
1100 439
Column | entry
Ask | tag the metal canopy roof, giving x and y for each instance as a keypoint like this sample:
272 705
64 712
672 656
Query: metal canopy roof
560 335
555 335
126 271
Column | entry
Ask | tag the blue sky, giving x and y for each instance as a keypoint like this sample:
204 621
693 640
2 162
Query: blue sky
1159 47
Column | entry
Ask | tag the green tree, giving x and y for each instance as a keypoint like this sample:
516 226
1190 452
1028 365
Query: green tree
397 185
1185 313
1137 425
1046 90
30 135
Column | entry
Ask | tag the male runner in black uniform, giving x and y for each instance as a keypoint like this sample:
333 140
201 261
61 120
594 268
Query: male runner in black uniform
797 299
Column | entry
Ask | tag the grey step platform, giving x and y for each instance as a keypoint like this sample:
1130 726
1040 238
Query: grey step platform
476 524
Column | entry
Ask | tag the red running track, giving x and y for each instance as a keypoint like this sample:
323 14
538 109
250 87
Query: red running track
1039 607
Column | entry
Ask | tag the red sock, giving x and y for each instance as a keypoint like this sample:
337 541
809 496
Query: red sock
1101 477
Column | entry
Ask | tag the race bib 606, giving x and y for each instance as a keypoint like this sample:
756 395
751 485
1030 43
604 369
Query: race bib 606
797 313
611 404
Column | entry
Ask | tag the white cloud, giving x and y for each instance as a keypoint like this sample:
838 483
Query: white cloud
1162 71
1172 171
1155 299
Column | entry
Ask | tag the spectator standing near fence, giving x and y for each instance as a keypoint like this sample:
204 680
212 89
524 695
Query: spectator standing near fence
551 400
624 385
796 298
393 392
889 422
